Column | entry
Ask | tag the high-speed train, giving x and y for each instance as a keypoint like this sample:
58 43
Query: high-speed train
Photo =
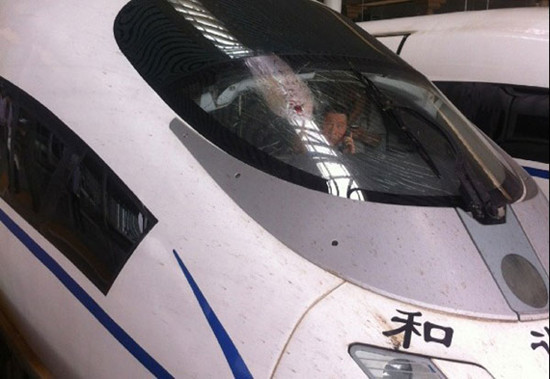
254 188
493 65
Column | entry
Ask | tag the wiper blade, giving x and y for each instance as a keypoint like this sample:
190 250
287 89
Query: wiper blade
386 106
372 91
478 201
421 150
481 205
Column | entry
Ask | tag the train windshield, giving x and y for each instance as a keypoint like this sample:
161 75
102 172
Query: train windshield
369 133
332 110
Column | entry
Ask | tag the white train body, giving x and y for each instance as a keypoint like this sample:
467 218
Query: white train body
503 50
226 270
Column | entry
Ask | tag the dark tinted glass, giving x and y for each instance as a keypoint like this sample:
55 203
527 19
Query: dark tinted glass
516 118
378 160
65 191
251 77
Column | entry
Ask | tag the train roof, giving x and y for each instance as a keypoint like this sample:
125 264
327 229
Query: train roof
507 46
515 21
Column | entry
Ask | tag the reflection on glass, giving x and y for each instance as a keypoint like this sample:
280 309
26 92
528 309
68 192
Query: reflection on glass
288 96
370 134
213 29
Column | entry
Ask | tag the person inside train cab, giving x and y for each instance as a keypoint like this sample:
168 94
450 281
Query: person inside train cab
339 133
336 131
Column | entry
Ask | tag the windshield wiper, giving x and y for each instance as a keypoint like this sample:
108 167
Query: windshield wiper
478 200
386 106
421 150
481 203
372 91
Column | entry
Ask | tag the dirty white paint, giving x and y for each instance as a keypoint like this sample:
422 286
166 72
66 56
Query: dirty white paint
286 316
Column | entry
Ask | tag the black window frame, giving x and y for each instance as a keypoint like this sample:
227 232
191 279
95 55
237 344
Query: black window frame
41 166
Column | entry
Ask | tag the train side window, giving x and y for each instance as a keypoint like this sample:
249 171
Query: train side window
516 118
65 191
527 130
48 151
5 115
530 126
25 188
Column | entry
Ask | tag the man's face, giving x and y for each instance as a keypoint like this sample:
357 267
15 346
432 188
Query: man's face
334 127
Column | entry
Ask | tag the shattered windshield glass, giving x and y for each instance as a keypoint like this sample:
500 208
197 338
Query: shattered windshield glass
371 135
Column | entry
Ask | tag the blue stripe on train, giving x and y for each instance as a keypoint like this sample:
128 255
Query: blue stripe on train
238 367
85 299
537 173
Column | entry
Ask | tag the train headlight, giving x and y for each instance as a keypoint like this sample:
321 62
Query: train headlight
384 364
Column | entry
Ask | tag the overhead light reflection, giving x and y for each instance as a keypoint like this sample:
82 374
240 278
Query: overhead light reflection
339 179
288 96
210 27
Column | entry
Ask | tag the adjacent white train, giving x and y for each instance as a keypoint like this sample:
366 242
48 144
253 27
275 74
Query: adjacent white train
178 198
493 65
